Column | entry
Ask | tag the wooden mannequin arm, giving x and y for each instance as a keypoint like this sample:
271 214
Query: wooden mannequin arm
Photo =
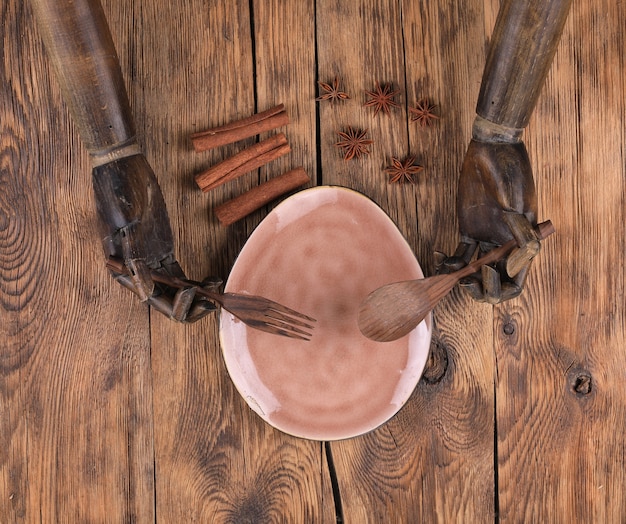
524 41
81 51
133 217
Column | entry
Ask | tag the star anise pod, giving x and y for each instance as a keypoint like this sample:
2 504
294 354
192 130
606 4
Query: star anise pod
423 113
332 91
403 171
354 143
381 99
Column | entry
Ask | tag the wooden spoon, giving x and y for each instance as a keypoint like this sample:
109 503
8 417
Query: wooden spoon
394 310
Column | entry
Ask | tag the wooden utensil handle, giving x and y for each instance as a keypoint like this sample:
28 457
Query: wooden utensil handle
544 229
117 265
81 50
524 41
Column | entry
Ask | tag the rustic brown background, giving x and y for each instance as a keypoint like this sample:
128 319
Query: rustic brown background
111 413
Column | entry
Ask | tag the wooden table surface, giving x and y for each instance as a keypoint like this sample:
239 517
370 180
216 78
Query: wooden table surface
111 413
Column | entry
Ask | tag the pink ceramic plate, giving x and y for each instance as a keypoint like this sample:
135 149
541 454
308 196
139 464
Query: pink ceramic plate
321 252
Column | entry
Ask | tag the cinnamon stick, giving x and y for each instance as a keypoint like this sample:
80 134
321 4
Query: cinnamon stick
241 206
240 129
243 162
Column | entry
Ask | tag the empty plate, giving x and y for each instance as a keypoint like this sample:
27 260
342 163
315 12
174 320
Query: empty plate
321 252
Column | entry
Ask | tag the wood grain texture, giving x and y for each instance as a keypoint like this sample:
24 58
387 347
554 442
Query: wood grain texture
360 44
109 413
81 52
75 392
284 37
560 388
523 43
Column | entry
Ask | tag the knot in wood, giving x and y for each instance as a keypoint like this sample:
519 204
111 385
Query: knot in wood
582 383
509 328
437 363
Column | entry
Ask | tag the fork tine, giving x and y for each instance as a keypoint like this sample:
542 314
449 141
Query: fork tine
262 309
285 332
290 319
257 319
279 308
288 327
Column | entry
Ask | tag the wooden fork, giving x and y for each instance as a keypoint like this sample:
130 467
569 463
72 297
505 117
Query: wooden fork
255 311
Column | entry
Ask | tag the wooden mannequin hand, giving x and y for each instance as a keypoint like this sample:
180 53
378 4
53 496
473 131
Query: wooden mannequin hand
136 228
134 222
496 202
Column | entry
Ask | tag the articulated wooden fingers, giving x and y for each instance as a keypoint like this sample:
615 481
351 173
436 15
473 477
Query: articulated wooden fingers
526 237
181 305
505 279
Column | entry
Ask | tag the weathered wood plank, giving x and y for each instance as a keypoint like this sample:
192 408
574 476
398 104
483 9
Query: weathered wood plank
444 435
360 44
284 35
217 461
75 384
559 347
